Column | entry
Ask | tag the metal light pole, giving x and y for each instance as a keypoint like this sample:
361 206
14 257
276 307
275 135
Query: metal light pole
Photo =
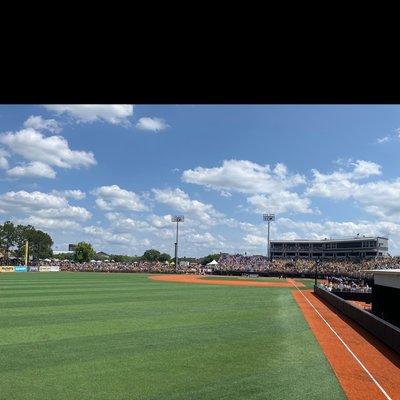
316 271
269 218
177 219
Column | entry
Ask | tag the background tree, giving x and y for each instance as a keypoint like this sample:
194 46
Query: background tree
64 256
20 237
14 237
209 258
84 252
8 237
164 257
39 243
122 258
151 255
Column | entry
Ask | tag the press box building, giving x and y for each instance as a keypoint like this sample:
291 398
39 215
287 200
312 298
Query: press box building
358 247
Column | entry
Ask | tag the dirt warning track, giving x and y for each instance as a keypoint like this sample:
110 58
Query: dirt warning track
365 367
198 280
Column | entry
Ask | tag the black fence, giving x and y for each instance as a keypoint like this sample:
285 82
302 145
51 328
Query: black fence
386 332
366 297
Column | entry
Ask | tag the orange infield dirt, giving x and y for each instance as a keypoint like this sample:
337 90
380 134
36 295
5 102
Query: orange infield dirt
198 279
381 362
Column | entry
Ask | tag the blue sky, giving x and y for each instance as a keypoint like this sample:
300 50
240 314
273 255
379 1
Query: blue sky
114 174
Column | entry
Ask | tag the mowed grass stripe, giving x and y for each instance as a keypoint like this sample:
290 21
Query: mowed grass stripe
130 318
156 341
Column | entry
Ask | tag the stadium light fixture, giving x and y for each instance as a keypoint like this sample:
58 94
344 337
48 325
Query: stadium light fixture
269 218
177 219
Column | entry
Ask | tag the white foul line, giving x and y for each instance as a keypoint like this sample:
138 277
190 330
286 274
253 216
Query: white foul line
345 345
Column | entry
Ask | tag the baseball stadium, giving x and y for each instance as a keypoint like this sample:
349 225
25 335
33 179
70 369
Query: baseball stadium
102 335
199 252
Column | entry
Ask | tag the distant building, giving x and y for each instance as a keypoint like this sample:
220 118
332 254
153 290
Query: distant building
358 247
71 247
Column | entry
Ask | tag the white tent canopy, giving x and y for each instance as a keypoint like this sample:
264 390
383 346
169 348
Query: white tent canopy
213 262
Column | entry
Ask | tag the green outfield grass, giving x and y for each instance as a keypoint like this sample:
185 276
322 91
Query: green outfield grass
122 336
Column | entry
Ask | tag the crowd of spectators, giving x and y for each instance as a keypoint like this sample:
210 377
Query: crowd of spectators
345 267
230 263
339 284
110 266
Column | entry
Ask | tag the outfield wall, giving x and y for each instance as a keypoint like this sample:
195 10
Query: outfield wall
7 268
24 268
49 268
386 332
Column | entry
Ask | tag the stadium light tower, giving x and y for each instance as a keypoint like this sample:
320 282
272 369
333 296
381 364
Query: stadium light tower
177 219
269 218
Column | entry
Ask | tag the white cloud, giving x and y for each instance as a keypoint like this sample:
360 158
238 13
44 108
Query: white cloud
383 139
336 185
52 223
269 186
255 240
164 233
341 184
3 159
73 194
152 124
52 150
380 198
395 135
123 224
69 211
180 201
244 176
161 221
224 193
335 229
107 237
35 168
204 239
39 123
112 197
44 209
32 200
365 169
116 114
280 202
289 236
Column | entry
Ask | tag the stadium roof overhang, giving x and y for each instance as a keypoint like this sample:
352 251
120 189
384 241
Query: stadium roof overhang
386 277
361 238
